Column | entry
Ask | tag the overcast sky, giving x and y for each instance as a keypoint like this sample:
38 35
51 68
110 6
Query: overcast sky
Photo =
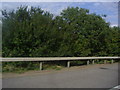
108 8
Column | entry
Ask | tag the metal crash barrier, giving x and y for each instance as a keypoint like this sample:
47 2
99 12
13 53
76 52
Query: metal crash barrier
68 59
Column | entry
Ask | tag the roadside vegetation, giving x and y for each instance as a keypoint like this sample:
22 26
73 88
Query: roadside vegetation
37 33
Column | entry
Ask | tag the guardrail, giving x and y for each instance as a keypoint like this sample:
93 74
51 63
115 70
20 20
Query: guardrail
68 59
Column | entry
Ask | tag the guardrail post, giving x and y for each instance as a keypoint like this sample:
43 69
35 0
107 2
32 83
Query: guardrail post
68 64
88 62
40 65
93 62
105 61
112 61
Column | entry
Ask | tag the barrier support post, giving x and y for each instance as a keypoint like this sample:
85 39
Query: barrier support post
68 64
40 65
93 62
88 62
112 61
105 61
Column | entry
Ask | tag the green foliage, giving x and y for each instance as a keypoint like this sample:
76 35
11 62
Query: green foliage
52 67
76 32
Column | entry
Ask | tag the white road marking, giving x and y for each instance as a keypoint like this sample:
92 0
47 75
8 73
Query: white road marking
116 87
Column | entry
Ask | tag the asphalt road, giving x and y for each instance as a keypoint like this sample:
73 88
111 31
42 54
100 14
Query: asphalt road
94 76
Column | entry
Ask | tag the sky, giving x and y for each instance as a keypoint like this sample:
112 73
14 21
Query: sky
108 8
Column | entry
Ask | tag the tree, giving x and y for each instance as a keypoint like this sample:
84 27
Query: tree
76 32
23 31
36 33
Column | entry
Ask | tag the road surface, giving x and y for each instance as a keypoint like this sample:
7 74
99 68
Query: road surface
93 76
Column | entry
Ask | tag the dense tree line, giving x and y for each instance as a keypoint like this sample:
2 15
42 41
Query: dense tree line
37 33
75 32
